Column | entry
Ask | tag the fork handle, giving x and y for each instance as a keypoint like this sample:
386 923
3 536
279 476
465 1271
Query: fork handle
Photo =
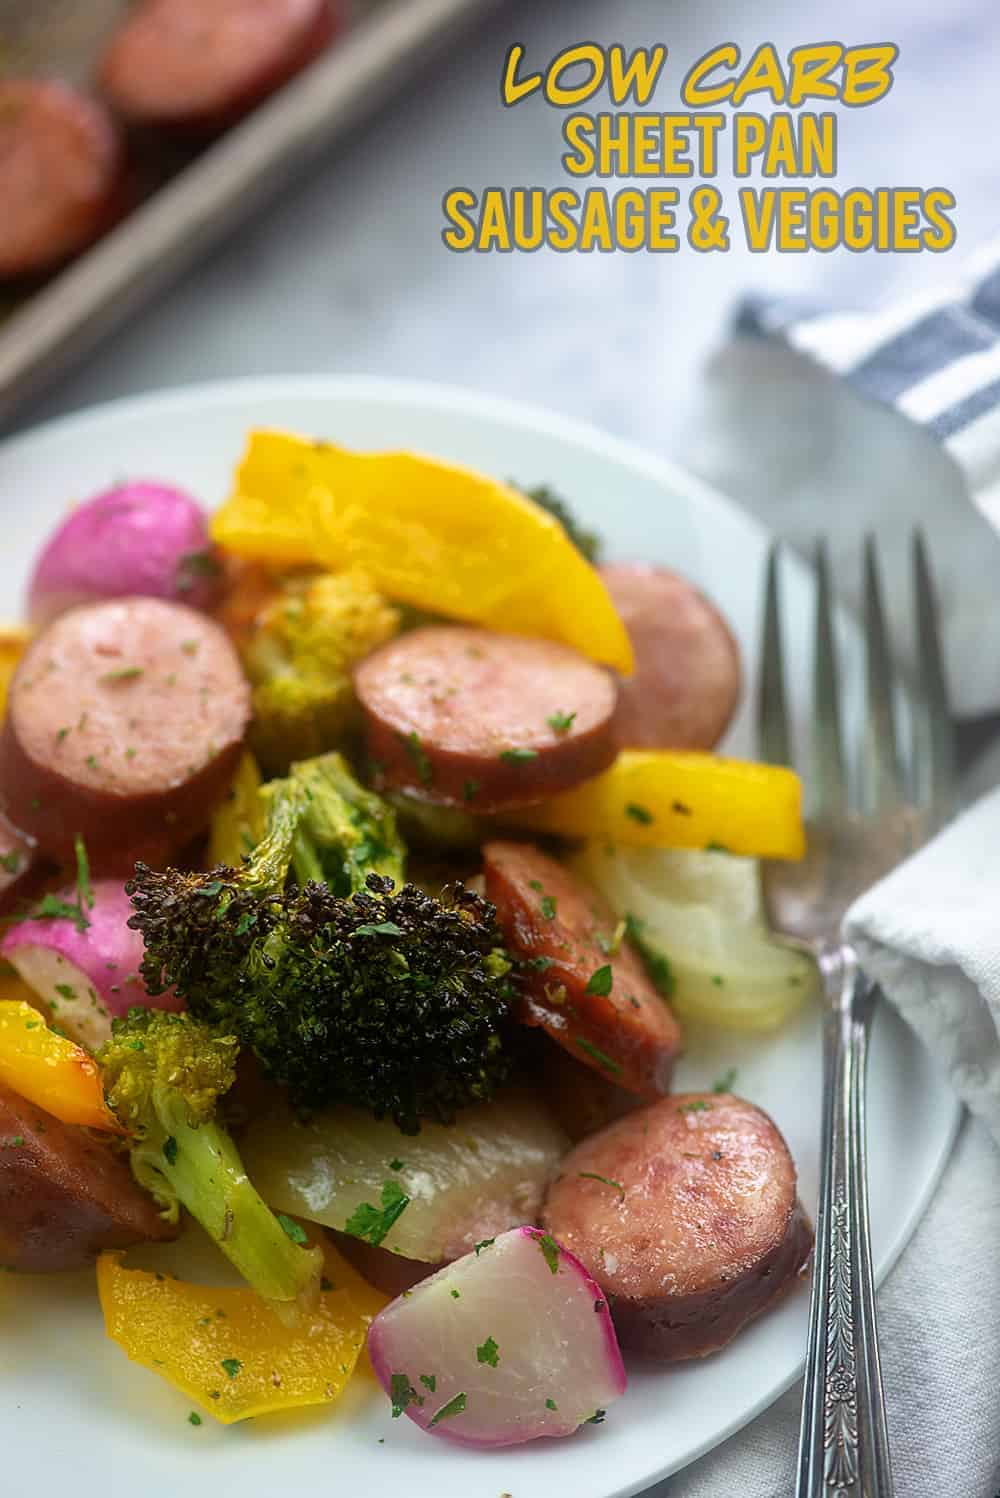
843 1441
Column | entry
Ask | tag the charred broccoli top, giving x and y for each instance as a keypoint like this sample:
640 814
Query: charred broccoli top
163 1076
391 1000
299 658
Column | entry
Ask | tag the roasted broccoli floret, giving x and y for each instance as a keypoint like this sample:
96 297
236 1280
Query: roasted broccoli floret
588 543
346 832
299 657
389 999
163 1076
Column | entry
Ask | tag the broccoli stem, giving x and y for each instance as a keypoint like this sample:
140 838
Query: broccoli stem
267 870
200 1167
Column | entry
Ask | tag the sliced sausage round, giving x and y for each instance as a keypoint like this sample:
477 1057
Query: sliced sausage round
192 65
694 1229
61 174
64 1195
124 725
582 981
686 682
484 721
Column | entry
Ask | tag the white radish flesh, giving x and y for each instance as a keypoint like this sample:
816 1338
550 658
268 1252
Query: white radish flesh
504 1346
85 971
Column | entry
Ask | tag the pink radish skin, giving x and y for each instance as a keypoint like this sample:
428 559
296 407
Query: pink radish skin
85 978
136 539
550 1333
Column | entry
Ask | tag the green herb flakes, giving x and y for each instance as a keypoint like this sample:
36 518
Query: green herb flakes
194 1418
170 1150
640 814
698 1106
726 1082
231 1367
550 1251
402 1393
590 1175
372 1224
598 1056
292 1228
418 756
488 1352
547 905
454 1406
550 1404
600 981
560 722
518 756
429 1381
484 1243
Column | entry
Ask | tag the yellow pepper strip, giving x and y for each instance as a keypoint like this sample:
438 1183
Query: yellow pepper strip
435 535
12 643
681 799
238 824
227 1349
48 1069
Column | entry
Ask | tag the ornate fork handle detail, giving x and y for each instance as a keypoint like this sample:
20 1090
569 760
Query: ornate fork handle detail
844 1448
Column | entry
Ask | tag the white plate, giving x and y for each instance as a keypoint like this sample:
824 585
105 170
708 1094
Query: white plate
79 1417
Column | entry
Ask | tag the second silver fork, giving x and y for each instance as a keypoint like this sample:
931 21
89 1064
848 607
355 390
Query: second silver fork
852 842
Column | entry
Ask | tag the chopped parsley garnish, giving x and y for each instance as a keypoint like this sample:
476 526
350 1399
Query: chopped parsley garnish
397 1165
429 1381
547 905
717 980
698 1106
550 1404
560 722
716 848
402 1393
540 964
470 789
726 1082
61 735
14 1142
10 862
292 1228
550 1251
189 647
194 1418
91 761
518 756
596 1418
598 1056
84 893
536 884
170 1150
488 1352
484 1243
372 1224
379 928
454 1406
66 990
590 1175
600 981
50 907
418 755
124 673
231 1366
640 814
456 1295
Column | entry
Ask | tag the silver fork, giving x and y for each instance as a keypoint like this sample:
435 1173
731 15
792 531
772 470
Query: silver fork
852 842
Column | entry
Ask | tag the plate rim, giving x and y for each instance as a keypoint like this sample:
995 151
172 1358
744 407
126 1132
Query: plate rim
441 396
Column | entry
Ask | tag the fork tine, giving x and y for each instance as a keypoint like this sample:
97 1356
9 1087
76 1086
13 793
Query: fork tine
882 787
830 781
937 791
773 737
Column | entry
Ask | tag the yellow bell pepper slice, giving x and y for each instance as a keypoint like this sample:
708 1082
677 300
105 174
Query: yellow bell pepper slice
48 1069
238 823
12 643
227 1349
435 535
681 799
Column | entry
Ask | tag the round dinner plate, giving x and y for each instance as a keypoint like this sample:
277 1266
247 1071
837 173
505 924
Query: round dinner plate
82 1419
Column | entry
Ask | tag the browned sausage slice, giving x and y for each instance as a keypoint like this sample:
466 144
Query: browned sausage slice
63 1194
466 717
701 1230
201 66
583 983
61 173
686 682
124 726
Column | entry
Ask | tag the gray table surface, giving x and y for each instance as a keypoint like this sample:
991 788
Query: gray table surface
347 273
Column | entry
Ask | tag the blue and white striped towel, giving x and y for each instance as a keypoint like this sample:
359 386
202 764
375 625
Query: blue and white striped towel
935 358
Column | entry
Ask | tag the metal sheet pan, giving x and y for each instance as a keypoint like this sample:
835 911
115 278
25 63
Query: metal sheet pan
191 198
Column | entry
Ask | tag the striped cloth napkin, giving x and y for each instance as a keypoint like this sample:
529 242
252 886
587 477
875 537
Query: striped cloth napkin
935 358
